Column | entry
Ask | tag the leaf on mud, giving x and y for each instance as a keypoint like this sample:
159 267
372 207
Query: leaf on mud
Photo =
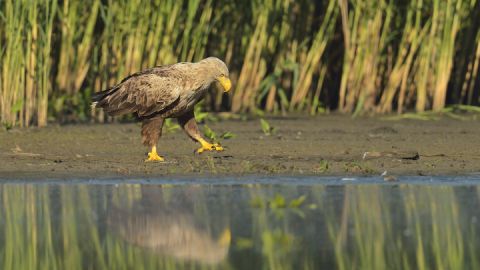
323 166
170 126
209 133
266 127
200 116
228 135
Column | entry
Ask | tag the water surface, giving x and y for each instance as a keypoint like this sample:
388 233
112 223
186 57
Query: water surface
266 223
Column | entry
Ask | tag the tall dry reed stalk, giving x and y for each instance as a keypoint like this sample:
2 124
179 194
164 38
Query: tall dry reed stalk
26 28
383 68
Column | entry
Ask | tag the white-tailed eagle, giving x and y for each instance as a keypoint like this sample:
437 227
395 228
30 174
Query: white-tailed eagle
169 91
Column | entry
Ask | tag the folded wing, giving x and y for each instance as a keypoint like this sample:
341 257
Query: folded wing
144 94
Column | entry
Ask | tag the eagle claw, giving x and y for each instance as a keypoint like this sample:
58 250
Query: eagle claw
209 147
154 157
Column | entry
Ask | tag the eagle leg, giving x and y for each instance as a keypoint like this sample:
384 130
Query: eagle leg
151 132
188 123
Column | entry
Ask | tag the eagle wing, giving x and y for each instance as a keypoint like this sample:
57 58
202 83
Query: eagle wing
142 93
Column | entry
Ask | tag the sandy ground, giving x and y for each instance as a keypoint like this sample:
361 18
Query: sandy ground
324 145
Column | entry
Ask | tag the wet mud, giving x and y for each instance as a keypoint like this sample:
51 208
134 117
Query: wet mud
324 145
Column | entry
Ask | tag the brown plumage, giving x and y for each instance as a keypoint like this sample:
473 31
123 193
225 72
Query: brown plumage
163 92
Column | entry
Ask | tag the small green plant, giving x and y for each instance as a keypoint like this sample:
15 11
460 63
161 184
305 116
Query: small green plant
7 126
209 133
212 135
202 116
228 135
171 127
323 166
266 127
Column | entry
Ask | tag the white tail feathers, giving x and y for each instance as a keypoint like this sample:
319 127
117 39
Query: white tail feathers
94 104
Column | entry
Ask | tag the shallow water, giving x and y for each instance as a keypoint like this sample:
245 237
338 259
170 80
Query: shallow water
241 223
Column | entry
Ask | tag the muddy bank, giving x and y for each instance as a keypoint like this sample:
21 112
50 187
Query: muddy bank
324 145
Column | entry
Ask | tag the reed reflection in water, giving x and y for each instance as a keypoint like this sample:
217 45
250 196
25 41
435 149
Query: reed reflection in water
130 226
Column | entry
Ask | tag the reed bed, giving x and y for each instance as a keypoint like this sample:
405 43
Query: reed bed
439 243
285 56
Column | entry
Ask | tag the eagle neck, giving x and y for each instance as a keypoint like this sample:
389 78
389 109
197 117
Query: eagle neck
202 74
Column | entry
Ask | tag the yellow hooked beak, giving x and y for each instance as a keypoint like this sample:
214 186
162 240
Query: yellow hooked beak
225 82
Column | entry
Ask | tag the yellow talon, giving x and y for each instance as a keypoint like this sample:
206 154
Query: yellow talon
206 146
153 156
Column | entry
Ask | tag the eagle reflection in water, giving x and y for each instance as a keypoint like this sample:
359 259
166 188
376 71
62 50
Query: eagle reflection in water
169 227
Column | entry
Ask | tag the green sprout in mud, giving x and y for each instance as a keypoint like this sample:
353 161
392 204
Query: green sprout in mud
212 135
323 166
7 126
201 116
266 127
209 133
170 126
